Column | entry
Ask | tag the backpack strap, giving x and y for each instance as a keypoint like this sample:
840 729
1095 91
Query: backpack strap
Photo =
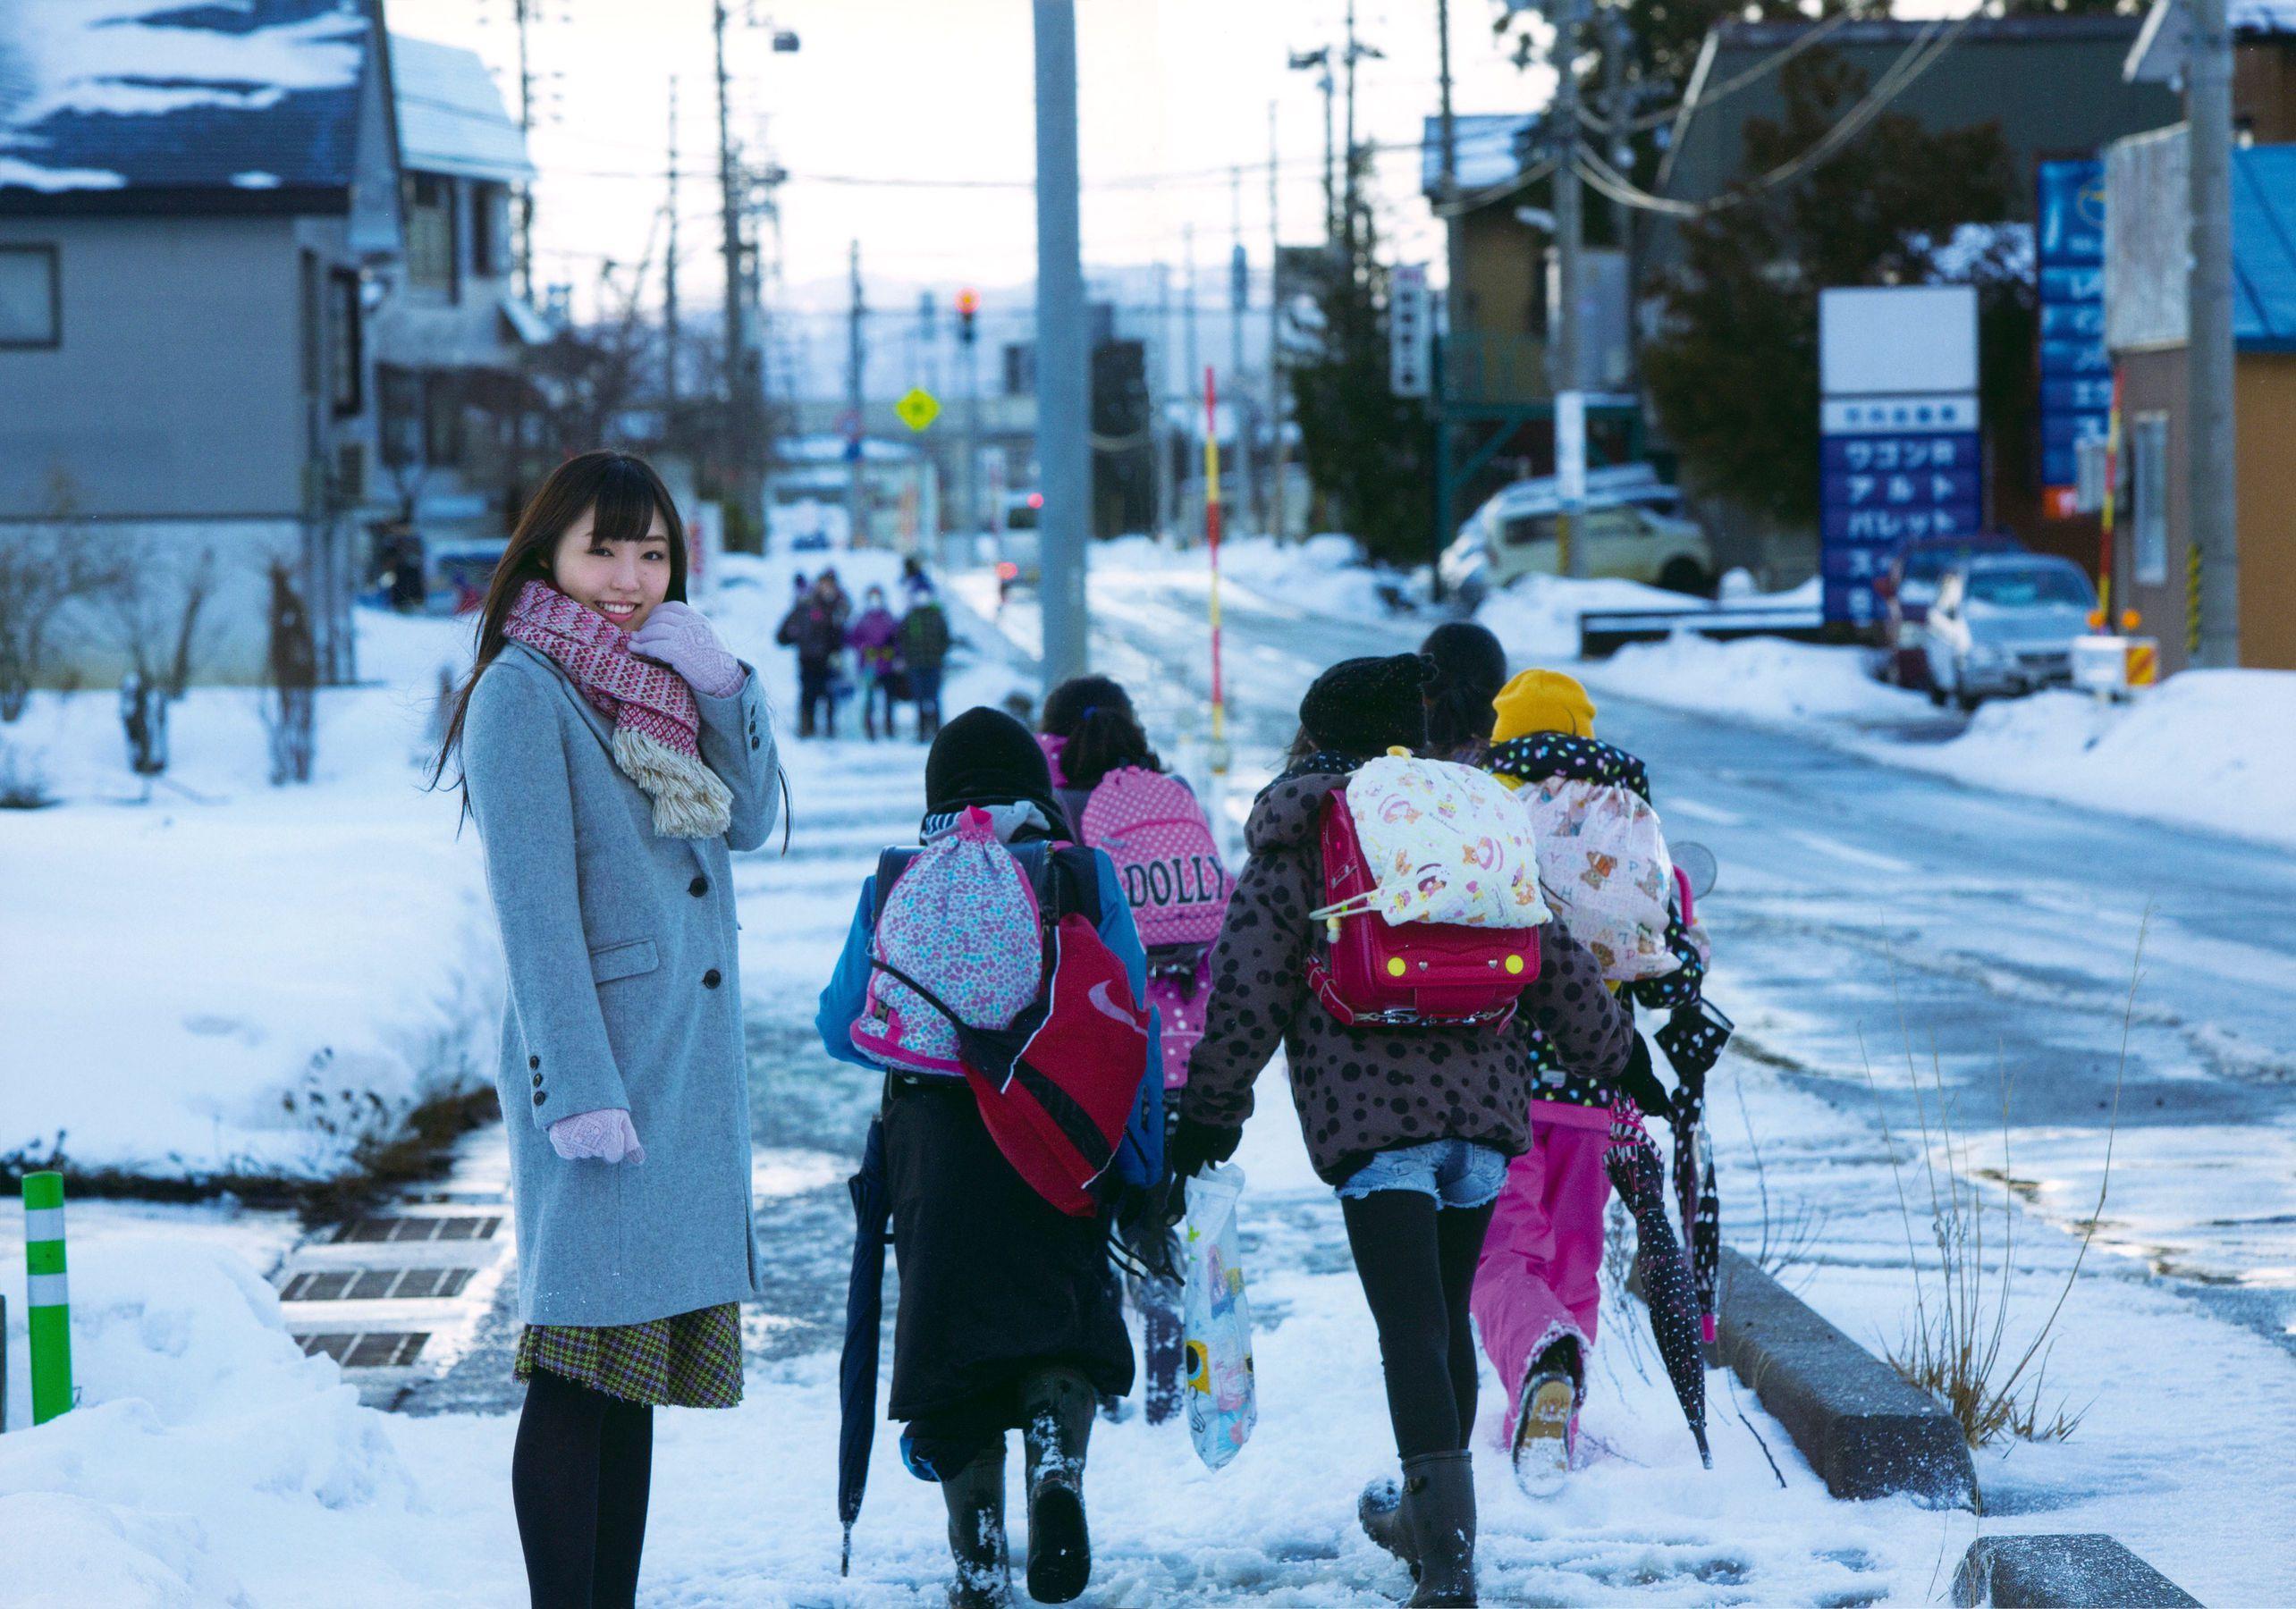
890 864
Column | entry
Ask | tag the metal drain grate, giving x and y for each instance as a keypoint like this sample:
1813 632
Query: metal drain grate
375 1284
370 1230
381 1349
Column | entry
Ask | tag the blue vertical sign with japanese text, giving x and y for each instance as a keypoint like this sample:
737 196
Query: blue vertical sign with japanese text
2076 371
1891 470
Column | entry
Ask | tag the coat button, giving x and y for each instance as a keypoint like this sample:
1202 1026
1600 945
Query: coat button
711 979
533 1061
537 1081
698 887
753 743
539 1097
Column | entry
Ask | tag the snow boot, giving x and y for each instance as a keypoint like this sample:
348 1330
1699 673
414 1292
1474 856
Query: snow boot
1438 1514
1056 1409
975 1496
1545 1419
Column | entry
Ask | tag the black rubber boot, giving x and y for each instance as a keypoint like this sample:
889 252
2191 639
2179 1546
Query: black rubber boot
975 1496
1057 1420
1439 1516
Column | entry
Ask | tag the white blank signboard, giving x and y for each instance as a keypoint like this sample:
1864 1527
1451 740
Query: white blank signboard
1899 340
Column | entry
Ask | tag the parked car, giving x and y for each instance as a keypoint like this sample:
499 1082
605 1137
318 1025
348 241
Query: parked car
1910 586
2006 625
1631 526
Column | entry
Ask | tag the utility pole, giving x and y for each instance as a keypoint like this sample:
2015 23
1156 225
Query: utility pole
1357 51
970 522
1160 393
1569 371
741 494
1320 59
2208 355
1191 368
857 441
1239 301
670 339
522 10
1063 389
1453 295
1275 495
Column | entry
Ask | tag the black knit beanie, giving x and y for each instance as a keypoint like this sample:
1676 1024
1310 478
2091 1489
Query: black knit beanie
1364 707
986 757
1066 704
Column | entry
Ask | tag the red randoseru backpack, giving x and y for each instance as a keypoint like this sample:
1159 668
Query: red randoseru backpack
1371 974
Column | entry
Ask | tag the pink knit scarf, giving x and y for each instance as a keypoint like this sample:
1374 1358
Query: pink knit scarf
657 724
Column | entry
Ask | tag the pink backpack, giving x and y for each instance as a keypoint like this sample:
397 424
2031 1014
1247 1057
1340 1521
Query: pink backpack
1153 829
962 920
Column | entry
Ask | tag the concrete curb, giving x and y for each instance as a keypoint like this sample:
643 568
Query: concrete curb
1866 1432
2061 1570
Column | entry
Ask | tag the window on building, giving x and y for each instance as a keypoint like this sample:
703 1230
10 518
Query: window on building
31 303
399 403
443 419
2148 468
489 230
430 233
311 311
346 354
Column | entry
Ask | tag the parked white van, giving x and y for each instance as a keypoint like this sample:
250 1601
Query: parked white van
1631 526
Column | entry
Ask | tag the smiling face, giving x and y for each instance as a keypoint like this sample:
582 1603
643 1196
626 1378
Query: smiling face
621 580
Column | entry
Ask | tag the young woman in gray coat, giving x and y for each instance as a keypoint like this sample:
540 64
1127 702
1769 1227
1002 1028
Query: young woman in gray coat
613 754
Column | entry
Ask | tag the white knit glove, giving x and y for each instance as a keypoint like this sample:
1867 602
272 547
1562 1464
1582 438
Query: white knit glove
606 1135
676 635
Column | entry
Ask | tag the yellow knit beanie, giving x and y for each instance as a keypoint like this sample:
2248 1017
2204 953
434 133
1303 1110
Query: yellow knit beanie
1542 700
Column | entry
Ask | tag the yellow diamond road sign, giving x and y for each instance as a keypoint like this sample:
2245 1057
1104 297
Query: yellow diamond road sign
918 409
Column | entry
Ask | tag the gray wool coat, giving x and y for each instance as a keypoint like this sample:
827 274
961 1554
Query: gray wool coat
625 990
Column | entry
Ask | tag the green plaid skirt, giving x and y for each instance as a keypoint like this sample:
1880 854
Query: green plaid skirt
690 1360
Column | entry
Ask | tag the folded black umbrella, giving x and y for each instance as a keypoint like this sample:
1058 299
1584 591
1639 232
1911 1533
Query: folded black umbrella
1693 1039
864 1312
1639 1177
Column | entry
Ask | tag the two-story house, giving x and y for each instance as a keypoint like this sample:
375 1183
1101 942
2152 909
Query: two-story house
195 206
447 337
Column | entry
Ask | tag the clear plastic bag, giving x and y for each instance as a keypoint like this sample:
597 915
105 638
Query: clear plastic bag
1222 1400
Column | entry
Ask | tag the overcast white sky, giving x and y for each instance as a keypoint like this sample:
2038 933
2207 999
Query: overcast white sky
942 90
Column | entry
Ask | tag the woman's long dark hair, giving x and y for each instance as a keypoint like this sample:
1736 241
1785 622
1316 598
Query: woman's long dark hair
1095 716
1470 669
627 494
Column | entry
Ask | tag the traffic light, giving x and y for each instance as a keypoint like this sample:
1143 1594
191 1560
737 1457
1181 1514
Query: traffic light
968 303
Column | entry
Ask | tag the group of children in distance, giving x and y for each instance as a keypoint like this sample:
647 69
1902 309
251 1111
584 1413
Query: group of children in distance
898 658
1466 1154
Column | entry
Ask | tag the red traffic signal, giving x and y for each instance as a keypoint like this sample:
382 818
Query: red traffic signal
968 301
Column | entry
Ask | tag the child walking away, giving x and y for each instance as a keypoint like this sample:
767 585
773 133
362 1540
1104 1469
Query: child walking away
815 627
923 644
875 639
1538 1291
613 754
1411 1110
1151 826
1008 1314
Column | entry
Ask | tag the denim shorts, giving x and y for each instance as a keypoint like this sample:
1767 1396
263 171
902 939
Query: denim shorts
1458 1172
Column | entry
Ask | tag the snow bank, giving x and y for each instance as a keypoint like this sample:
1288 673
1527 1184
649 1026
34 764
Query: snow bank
1769 679
2205 748
1326 574
231 977
1537 617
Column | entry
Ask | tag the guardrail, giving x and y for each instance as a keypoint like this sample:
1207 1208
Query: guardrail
1603 632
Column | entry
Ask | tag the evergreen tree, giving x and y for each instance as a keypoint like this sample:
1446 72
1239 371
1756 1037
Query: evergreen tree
1733 372
1367 451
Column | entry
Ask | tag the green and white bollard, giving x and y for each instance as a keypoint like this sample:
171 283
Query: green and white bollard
47 1301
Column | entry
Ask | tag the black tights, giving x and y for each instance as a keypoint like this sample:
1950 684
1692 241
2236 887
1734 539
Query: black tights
580 1477
1417 1264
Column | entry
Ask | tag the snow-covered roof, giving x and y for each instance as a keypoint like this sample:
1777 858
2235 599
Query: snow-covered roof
145 94
452 119
1485 147
2157 57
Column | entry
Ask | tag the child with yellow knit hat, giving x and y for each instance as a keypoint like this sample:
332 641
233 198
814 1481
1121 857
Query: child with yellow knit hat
1538 1289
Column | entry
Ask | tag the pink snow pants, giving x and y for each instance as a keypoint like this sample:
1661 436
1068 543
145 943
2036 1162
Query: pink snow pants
1540 1273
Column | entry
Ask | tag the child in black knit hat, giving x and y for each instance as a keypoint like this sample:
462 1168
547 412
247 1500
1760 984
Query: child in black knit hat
1009 1315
